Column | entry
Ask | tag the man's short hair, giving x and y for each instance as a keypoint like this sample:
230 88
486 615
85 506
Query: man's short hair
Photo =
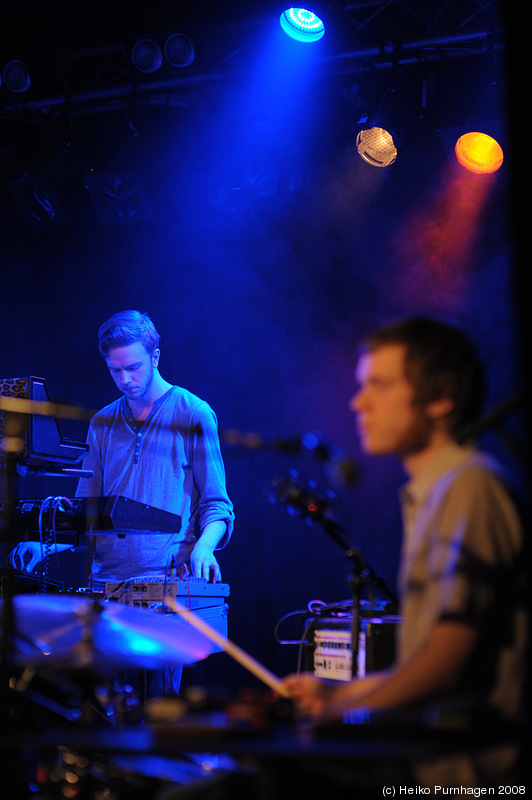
440 361
127 327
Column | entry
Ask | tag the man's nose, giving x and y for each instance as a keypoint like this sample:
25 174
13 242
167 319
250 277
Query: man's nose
354 402
357 401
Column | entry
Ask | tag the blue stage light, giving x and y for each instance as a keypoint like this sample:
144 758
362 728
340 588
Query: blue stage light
302 25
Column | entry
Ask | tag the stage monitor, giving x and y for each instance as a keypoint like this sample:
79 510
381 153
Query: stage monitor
44 441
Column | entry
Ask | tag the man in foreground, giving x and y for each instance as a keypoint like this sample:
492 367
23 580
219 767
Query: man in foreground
464 628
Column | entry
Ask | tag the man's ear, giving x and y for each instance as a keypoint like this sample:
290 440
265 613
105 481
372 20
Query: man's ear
438 409
155 357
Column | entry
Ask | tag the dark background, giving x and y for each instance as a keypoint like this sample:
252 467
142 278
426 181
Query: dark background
262 246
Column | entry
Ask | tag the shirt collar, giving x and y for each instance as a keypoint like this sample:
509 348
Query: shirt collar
416 489
156 403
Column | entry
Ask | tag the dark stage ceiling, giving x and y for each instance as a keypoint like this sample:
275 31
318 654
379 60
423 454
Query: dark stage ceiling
79 52
79 59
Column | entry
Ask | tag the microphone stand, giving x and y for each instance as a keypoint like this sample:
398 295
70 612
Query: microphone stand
313 506
361 575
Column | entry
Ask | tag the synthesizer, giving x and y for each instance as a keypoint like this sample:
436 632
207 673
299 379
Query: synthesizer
146 590
101 515
206 600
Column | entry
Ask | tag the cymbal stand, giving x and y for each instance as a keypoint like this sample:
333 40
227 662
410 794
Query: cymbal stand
13 432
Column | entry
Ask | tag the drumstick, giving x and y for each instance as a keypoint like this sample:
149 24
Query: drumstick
230 647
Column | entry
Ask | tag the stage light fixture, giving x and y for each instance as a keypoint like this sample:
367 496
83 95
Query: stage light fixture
302 25
376 146
37 203
146 55
16 76
118 197
179 50
478 152
383 134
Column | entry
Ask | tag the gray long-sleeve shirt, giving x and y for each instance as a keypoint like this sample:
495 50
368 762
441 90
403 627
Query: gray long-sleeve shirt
171 461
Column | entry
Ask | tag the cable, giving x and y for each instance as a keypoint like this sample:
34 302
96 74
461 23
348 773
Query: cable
122 586
300 613
48 537
303 642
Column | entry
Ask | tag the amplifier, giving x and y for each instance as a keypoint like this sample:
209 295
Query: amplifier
206 600
329 652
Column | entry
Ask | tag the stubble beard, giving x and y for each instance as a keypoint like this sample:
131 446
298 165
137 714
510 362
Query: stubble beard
146 390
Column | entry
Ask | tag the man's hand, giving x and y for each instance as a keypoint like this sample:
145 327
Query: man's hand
203 562
202 558
26 556
311 696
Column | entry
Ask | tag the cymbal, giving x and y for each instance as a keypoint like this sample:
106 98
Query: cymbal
73 632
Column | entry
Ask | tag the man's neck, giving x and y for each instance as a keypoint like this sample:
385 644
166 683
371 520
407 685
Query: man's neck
141 408
415 463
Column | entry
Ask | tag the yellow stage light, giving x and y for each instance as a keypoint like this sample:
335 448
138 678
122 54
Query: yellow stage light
479 152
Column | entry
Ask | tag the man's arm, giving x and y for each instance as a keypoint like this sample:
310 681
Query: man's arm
315 698
435 668
215 510
214 505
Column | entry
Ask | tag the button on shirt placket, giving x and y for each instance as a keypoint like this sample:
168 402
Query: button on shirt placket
137 447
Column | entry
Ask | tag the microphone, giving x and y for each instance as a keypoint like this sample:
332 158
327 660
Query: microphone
337 464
